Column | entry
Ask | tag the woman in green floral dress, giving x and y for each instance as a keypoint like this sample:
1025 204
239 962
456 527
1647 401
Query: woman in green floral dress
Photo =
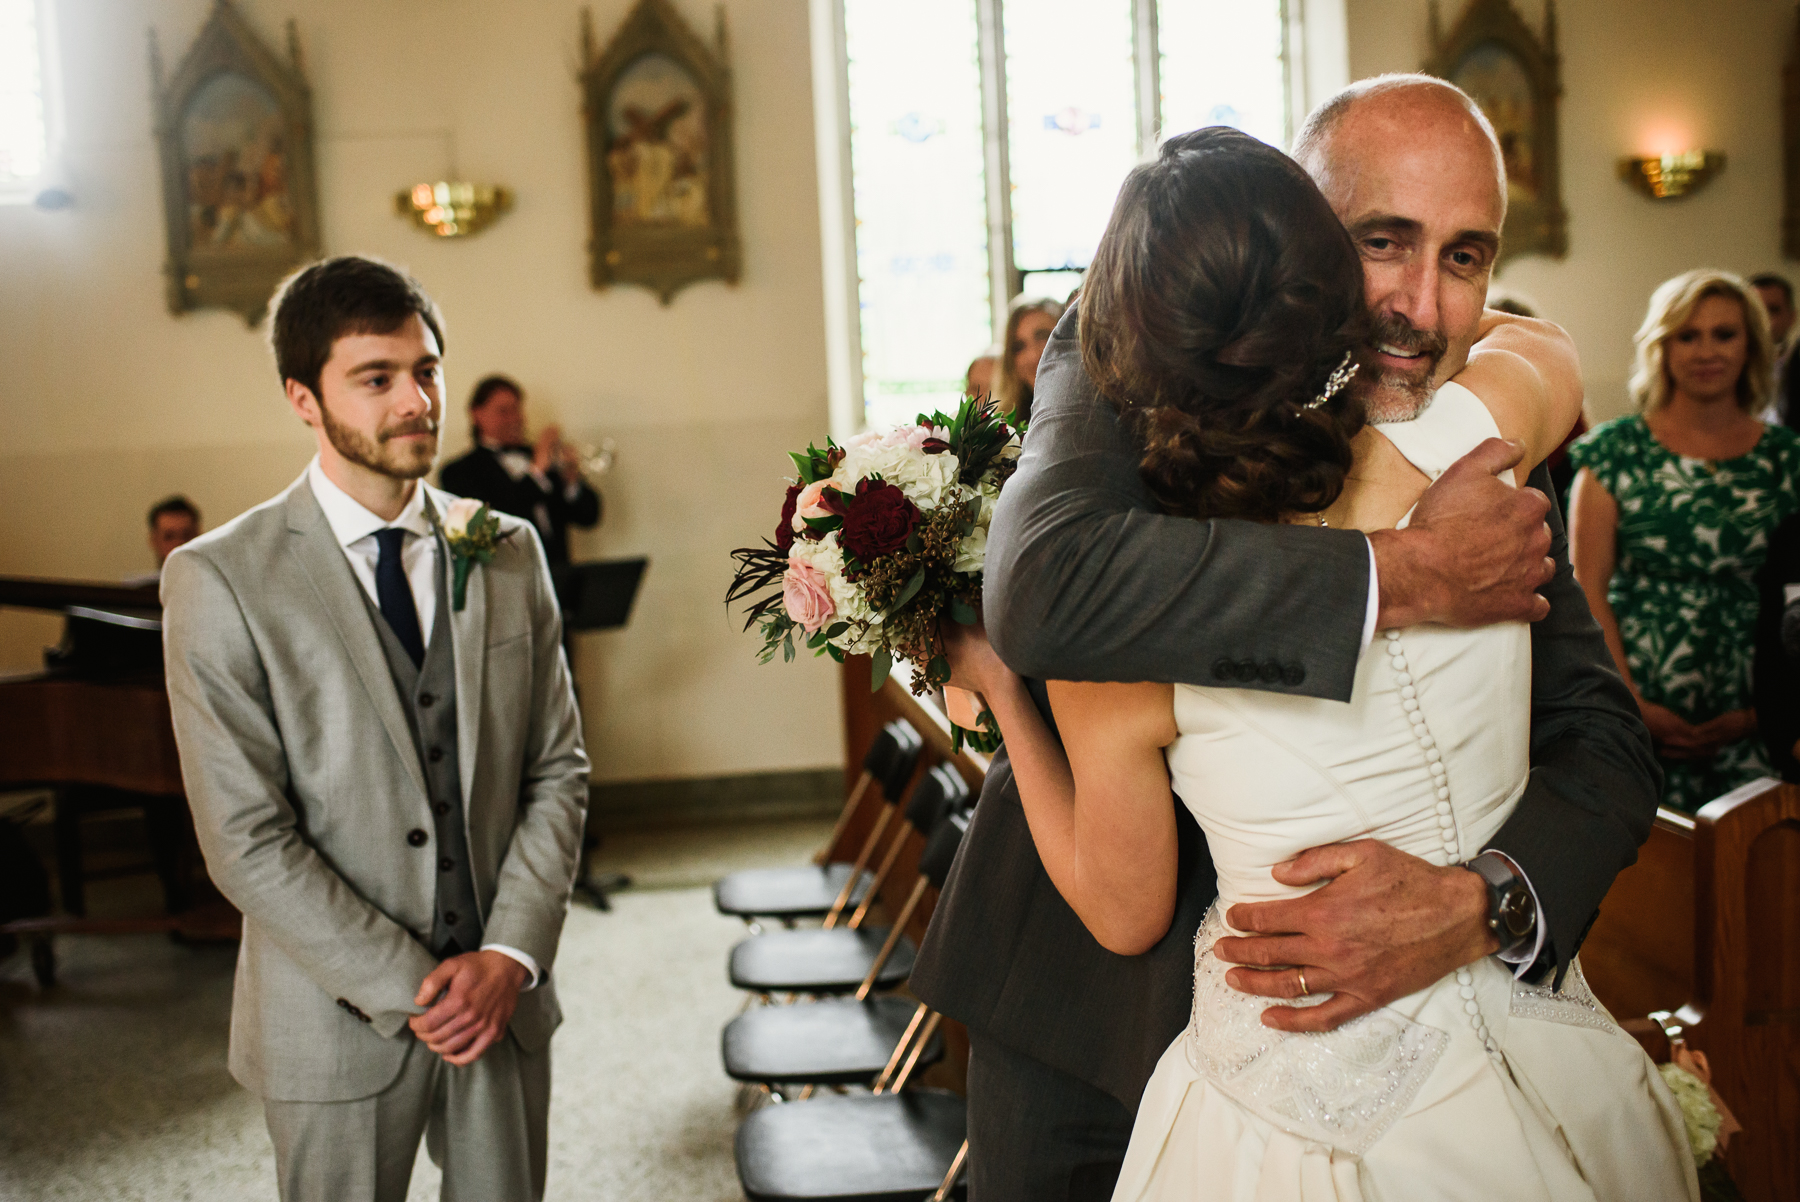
1670 521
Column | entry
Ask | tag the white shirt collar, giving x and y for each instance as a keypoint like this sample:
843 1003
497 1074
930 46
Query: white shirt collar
348 518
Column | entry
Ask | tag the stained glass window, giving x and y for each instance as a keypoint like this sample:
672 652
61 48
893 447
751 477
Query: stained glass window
1071 108
920 199
928 288
1223 63
23 133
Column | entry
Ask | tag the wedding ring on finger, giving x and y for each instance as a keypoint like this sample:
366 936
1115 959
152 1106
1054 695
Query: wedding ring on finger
1304 991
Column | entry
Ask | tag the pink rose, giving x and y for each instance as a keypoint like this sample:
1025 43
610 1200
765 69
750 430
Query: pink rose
458 514
813 503
807 594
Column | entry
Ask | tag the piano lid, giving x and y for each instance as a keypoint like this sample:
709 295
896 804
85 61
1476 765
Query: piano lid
58 596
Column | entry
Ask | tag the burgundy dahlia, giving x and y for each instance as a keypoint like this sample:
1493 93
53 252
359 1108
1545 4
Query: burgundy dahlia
879 520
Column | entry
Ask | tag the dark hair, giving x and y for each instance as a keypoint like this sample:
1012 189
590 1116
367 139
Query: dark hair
489 385
348 294
1222 296
1769 279
174 504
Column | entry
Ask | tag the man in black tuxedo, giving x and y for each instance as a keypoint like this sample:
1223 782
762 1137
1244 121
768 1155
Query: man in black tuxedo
1086 581
540 482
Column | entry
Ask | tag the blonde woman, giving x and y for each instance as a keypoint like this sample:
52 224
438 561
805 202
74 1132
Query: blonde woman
1670 521
1029 321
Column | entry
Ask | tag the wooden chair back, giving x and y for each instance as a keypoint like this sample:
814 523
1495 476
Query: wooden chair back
1739 998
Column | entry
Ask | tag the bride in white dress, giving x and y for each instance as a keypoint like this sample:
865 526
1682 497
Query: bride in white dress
1477 1087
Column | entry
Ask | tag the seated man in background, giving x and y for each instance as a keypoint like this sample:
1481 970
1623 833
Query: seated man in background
173 521
541 482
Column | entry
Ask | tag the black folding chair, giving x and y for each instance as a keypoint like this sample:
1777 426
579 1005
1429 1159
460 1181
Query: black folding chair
837 959
840 1041
890 1145
813 890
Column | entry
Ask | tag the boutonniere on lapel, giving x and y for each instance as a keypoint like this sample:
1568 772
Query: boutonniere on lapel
472 532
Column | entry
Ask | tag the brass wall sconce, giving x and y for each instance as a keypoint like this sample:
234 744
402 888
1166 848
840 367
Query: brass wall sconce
453 210
1664 177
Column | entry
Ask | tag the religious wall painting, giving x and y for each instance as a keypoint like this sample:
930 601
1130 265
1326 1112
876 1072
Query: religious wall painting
234 127
1516 77
661 188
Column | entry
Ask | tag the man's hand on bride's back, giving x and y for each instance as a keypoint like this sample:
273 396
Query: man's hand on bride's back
1385 925
1476 551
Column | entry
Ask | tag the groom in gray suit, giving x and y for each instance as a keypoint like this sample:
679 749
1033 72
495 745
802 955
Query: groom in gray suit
387 776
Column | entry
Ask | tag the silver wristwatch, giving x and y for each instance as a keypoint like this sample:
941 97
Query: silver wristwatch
1512 914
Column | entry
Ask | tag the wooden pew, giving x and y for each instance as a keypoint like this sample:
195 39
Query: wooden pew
1706 926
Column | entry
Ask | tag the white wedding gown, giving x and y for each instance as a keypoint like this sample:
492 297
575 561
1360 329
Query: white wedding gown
1478 1087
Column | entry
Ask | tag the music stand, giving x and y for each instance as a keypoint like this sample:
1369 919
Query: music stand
598 596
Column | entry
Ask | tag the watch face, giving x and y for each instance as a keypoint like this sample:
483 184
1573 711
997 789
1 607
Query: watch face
1516 912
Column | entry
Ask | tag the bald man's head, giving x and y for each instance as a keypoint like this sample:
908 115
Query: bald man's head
1412 168
1420 108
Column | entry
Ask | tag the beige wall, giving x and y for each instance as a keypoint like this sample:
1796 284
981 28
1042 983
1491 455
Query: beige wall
109 402
1639 77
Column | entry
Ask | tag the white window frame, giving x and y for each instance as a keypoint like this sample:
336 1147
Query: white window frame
1315 58
27 192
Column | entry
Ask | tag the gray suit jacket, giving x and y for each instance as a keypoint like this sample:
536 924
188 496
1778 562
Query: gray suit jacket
305 786
1086 581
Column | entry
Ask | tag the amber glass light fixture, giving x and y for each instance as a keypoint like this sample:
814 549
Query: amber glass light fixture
1666 176
453 210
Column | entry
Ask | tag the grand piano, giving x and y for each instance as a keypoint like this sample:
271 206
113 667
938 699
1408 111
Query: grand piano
94 727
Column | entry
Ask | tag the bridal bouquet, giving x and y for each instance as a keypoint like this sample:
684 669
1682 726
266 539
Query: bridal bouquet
878 540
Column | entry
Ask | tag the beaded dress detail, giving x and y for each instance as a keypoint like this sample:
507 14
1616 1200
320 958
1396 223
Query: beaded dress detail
1475 1087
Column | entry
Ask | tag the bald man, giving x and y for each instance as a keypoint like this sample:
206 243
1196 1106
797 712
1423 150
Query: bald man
1063 1035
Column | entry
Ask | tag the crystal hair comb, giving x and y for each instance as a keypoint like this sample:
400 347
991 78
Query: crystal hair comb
1346 371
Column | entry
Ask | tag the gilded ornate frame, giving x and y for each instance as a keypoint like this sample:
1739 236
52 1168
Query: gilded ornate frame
1540 224
665 259
239 279
1790 149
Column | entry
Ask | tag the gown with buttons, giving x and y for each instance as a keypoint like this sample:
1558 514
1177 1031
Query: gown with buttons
1477 1087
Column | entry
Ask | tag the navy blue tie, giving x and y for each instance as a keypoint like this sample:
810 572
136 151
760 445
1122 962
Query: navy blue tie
394 594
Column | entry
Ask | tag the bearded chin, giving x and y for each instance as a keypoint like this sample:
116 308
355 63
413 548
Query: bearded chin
377 456
1398 398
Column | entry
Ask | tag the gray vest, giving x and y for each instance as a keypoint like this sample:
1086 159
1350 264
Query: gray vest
428 695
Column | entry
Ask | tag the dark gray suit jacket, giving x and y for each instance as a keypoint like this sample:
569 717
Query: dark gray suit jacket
1086 581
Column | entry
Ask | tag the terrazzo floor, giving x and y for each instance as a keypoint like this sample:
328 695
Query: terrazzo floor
113 1084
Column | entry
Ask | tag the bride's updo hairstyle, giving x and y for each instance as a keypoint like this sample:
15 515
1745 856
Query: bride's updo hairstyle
1223 295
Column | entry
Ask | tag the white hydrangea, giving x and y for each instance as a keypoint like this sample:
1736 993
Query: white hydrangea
898 457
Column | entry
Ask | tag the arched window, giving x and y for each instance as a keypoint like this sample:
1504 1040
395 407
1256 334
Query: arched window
971 150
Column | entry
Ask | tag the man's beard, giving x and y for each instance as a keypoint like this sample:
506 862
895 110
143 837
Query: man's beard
408 461
1400 396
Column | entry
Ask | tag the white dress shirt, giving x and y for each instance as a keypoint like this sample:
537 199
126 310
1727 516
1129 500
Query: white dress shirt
354 527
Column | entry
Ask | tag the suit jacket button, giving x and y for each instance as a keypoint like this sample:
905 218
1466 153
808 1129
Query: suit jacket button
417 838
435 754
427 700
442 807
1270 671
1224 669
1246 669
1294 673
446 864
449 918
